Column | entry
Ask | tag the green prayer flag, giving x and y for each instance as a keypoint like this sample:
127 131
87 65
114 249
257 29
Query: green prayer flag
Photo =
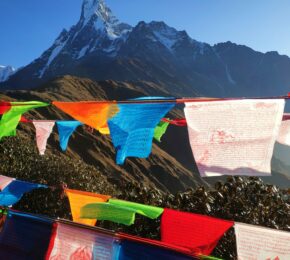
11 118
145 210
107 211
160 130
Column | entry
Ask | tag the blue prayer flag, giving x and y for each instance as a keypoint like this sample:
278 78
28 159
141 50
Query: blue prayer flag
65 130
15 190
130 250
24 236
132 129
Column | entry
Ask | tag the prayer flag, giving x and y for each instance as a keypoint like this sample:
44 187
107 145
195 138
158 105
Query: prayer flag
110 212
177 122
141 251
74 243
160 130
5 181
65 130
255 242
93 114
43 131
4 107
78 199
132 129
12 193
284 133
234 137
11 118
23 119
145 210
199 233
24 236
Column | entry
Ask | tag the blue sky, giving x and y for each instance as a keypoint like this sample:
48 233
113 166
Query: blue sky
28 27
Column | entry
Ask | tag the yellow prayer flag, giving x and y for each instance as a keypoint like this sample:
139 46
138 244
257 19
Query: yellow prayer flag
78 199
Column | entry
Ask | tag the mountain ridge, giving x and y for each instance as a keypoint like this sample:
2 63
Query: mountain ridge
101 47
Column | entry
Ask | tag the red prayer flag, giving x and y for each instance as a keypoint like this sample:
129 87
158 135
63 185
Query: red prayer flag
197 232
4 107
23 119
177 122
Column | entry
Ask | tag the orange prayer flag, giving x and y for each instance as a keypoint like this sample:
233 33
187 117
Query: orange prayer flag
78 199
94 114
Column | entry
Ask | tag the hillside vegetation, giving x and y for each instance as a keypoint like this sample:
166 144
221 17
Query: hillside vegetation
246 200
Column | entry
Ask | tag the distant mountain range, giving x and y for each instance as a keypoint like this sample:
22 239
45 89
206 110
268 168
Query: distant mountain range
6 72
100 47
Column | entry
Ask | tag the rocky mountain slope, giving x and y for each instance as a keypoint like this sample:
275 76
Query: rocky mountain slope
102 48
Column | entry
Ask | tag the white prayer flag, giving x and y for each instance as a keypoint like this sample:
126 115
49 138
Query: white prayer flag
258 243
234 137
43 131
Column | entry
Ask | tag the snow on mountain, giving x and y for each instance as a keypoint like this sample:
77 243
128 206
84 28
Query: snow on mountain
97 29
98 33
100 47
6 72
166 35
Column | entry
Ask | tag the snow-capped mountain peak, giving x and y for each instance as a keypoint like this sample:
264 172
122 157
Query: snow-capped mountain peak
6 72
91 8
96 13
97 29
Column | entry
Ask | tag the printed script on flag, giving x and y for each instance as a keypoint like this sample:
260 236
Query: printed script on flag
258 243
234 137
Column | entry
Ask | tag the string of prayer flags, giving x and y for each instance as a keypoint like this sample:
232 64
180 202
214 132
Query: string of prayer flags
65 130
43 131
197 232
235 137
177 122
255 242
72 242
24 236
160 130
110 212
11 118
145 210
5 181
13 192
132 129
93 114
78 199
